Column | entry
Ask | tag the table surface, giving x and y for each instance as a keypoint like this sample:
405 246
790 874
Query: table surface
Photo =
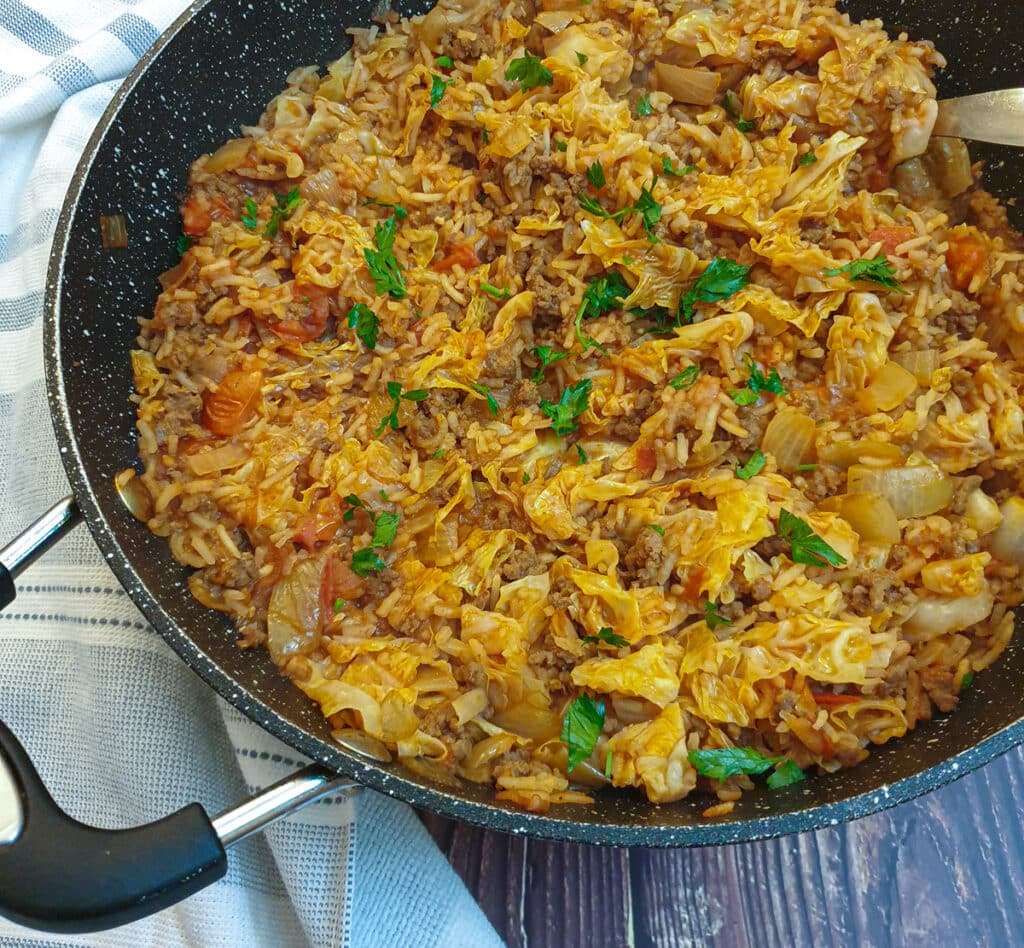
946 869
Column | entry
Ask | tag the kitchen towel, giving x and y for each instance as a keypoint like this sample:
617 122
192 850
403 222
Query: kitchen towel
121 730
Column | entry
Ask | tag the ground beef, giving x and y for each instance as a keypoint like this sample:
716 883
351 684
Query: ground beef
965 486
424 426
645 560
461 48
877 590
380 584
824 481
525 394
561 594
627 426
233 574
771 547
501 363
938 682
521 563
761 590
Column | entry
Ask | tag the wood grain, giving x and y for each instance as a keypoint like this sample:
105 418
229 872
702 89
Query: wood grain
945 869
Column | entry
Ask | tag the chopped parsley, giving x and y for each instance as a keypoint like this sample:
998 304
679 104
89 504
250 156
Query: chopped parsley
805 545
646 206
581 454
744 125
400 212
758 382
582 58
602 295
385 529
384 268
499 294
712 617
726 762
720 280
547 356
438 85
339 604
595 175
445 62
354 502
965 682
806 467
731 106
439 453
666 166
686 378
581 727
529 72
485 137
250 217
643 106
182 244
608 765
606 636
743 396
366 324
573 402
808 158
560 145
526 478
397 396
366 561
658 530
286 204
492 405
753 467
873 270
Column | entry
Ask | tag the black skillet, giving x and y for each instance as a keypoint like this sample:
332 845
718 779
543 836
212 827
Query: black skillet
210 72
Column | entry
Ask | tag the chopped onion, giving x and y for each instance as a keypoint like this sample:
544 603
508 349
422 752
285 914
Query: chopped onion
223 458
430 769
921 363
1008 541
481 754
113 231
915 491
293 616
134 495
467 706
890 387
940 616
694 86
871 515
554 20
322 186
360 743
982 512
844 454
789 438
950 165
231 155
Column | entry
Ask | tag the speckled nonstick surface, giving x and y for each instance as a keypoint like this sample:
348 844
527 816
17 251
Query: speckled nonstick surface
213 70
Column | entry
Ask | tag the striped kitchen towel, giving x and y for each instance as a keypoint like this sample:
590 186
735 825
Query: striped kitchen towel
122 732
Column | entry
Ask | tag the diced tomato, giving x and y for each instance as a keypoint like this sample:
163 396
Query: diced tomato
462 254
878 178
891 237
311 302
234 402
691 591
966 256
338 582
195 218
829 700
645 460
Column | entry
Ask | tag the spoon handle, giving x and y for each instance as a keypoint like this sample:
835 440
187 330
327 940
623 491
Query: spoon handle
996 117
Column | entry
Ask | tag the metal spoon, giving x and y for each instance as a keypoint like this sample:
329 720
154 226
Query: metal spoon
996 117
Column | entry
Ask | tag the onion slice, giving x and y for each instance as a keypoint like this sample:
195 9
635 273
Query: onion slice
916 491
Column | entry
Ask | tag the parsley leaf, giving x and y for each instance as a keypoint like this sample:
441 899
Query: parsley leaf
582 58
396 395
804 544
643 106
712 618
492 405
526 478
873 270
658 530
965 682
602 295
499 294
720 280
385 529
727 762
366 324
648 209
573 402
808 158
732 106
743 397
286 203
439 453
686 378
383 266
445 62
339 604
606 636
744 125
595 175
593 207
366 561
400 212
182 244
529 72
581 454
438 85
806 467
547 356
561 146
608 766
581 727
666 166
759 383
251 215
354 502
754 466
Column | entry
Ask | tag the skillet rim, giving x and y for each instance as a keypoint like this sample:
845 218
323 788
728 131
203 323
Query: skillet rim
444 802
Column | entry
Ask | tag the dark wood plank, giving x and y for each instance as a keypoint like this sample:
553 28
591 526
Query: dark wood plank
947 868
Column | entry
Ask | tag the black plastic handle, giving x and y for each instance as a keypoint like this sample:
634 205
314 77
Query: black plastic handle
60 875
7 592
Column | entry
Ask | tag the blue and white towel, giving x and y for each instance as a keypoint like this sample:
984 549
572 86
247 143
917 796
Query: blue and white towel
122 731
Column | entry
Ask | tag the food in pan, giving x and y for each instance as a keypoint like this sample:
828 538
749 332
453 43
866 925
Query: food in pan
612 393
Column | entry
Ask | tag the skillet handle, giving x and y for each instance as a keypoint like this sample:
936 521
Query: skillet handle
26 548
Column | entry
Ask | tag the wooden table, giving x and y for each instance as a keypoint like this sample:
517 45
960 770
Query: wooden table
947 869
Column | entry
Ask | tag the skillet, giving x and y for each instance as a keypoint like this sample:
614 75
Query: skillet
211 71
